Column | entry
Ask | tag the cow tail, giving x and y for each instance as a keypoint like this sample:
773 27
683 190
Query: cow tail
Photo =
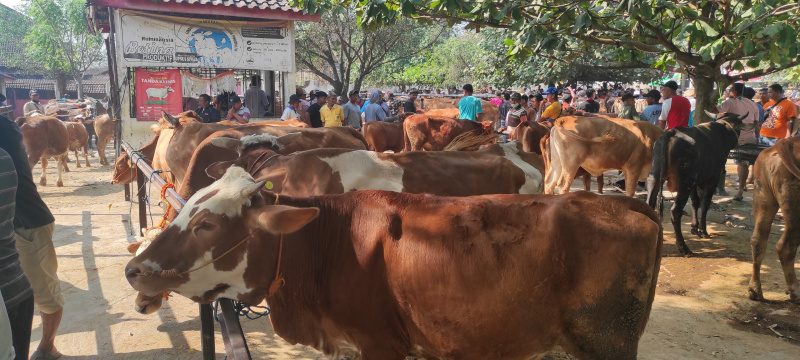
406 140
544 146
655 182
785 152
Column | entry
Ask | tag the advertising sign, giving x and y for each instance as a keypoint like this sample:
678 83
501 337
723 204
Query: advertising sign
158 91
156 40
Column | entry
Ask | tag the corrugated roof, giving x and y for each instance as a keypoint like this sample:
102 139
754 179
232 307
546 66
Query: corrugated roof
250 4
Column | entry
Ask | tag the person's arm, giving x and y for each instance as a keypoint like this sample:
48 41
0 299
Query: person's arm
479 111
662 119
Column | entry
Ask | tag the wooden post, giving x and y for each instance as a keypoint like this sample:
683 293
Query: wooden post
142 194
207 331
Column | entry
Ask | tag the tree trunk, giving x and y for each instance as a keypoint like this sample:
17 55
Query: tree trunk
79 87
705 95
61 86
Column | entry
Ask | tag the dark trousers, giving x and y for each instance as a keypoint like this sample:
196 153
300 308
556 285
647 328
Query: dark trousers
21 319
90 131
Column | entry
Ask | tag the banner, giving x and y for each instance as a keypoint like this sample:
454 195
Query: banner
158 40
158 91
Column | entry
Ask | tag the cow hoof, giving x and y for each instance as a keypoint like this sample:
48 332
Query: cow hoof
78 165
87 164
755 295
60 184
43 182
694 231
685 251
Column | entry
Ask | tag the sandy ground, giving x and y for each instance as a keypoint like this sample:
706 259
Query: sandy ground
700 312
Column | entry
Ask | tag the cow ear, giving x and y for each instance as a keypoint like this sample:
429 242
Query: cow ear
281 219
227 143
288 138
217 169
274 180
171 119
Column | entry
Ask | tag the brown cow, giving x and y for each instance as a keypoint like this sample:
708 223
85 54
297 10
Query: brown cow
599 144
122 166
423 132
490 112
437 103
382 136
777 185
105 129
393 274
45 137
78 139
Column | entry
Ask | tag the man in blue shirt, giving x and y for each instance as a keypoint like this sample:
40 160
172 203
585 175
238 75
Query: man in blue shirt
469 107
207 112
653 110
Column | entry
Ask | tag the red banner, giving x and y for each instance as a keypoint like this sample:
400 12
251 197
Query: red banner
158 91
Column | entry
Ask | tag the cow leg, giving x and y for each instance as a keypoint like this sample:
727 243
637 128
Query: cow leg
787 248
587 182
64 161
86 155
706 193
631 182
676 214
765 206
43 180
695 204
600 184
77 158
59 182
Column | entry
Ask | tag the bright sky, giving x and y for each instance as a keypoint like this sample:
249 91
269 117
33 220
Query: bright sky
11 3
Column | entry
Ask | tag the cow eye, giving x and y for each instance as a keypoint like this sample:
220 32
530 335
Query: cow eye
205 225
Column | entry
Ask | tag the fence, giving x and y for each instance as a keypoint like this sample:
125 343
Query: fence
231 329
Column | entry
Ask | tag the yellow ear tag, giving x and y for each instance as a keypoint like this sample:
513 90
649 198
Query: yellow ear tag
220 171
268 185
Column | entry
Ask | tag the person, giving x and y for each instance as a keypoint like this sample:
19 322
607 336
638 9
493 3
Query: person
33 105
534 105
331 113
653 110
291 109
255 98
373 111
552 108
89 125
394 104
763 97
517 115
352 112
238 111
33 236
314 110
675 108
504 108
385 105
780 113
207 112
498 99
16 295
747 135
589 105
411 106
749 94
469 107
567 101
628 107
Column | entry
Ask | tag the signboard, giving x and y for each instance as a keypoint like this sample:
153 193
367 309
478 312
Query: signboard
158 91
157 40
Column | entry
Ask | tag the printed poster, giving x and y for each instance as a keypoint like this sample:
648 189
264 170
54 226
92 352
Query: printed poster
158 91
150 40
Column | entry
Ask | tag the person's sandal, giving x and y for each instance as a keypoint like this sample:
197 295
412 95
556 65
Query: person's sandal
41 355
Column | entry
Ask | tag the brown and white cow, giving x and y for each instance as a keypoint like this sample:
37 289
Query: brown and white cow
78 140
45 137
105 128
599 144
777 185
393 274
382 136
424 132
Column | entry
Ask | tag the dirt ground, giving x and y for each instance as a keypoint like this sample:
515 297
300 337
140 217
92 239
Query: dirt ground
701 310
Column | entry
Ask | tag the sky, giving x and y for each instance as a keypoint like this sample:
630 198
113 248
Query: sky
11 3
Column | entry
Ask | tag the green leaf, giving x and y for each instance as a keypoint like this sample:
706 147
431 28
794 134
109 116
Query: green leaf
738 66
707 29
749 46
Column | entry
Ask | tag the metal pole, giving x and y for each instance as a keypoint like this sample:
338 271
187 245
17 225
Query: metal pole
207 331
140 181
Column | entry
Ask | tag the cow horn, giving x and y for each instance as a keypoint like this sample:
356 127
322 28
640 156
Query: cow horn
227 143
288 138
171 119
744 116
710 114
251 190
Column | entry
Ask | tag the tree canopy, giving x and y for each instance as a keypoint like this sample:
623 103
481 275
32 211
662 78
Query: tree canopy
708 40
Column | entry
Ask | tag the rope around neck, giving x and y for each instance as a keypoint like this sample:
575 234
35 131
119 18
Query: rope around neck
253 169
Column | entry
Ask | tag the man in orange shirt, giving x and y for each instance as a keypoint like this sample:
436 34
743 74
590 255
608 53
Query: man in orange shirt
780 113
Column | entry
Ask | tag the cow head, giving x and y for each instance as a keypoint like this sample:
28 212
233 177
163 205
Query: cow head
269 141
228 227
122 170
733 119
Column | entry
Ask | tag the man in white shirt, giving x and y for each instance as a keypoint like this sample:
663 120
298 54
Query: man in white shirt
291 110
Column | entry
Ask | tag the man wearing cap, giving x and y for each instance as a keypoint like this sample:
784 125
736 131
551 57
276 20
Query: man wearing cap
314 110
517 115
552 108
291 109
589 105
653 110
411 106
208 113
675 110
255 98
33 105
352 112
238 111
780 113
331 113
469 107
628 107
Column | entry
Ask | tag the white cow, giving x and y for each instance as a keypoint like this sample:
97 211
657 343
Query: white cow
159 93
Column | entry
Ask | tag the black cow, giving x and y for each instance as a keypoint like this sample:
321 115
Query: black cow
691 160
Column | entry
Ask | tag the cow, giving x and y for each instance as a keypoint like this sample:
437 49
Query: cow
382 136
105 129
394 274
690 160
424 132
436 103
124 171
777 185
158 93
490 112
45 137
599 144
78 139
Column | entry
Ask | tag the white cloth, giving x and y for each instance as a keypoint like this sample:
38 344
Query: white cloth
741 106
193 85
289 113
665 109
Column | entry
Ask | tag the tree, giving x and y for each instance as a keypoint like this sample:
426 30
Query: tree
59 38
706 39
339 51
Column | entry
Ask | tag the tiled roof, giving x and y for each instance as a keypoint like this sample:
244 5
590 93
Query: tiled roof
94 86
250 4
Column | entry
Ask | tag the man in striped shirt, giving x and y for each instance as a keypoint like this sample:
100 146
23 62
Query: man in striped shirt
17 295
